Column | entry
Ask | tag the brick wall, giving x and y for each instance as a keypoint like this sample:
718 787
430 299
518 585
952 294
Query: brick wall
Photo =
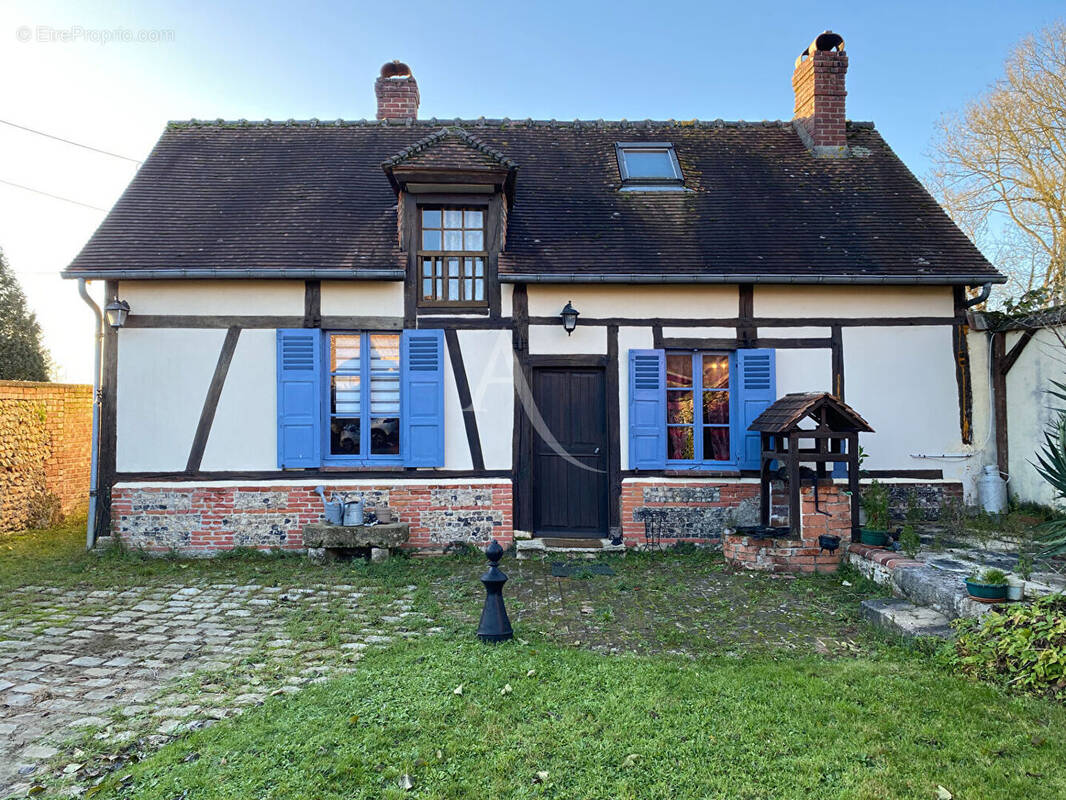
45 444
205 519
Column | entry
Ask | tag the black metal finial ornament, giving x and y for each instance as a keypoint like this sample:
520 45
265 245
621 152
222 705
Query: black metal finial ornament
495 626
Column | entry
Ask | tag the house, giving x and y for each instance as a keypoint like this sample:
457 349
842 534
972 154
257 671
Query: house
378 307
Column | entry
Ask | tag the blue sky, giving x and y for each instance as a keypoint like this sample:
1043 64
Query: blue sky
909 63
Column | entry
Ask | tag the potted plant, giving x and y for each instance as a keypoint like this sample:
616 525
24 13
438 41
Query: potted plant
1024 570
875 503
988 586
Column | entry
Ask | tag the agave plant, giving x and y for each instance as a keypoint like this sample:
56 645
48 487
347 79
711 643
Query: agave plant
1051 464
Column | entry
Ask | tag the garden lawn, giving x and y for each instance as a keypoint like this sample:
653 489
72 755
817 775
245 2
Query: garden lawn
619 727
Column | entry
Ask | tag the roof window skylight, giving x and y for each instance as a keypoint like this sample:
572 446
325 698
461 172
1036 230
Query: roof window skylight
648 165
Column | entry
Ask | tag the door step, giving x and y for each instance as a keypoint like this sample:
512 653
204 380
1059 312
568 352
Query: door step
586 548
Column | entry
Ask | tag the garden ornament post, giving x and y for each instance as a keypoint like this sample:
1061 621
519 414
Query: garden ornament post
495 626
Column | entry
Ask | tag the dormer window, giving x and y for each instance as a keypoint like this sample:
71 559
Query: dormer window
648 166
452 257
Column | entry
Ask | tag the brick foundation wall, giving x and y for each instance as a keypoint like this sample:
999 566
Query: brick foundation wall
45 446
206 519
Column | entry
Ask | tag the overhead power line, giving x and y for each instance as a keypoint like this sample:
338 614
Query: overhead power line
53 196
68 141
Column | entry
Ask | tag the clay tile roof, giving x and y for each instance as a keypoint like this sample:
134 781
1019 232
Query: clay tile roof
300 198
786 413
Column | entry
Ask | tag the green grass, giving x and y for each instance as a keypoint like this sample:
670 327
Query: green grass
620 727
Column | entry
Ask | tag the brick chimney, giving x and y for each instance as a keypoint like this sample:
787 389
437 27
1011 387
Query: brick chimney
818 82
397 92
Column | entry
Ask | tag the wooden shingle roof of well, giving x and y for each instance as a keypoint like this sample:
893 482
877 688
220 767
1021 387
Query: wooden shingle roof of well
787 412
311 199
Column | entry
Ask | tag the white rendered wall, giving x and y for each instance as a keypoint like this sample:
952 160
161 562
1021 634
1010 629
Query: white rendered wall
488 358
244 433
853 301
804 371
902 381
221 297
362 298
553 340
163 376
456 446
641 301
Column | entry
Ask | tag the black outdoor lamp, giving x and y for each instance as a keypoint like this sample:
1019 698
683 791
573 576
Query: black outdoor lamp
569 315
117 311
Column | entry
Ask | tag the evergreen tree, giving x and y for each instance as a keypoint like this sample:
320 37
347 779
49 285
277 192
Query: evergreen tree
22 355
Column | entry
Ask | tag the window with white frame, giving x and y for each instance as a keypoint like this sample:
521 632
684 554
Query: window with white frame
364 396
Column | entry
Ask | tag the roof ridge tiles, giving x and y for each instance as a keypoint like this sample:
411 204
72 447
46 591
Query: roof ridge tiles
505 122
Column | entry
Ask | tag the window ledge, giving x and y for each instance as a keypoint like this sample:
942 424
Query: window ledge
702 472
362 468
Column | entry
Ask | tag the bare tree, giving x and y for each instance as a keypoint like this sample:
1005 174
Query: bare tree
1000 166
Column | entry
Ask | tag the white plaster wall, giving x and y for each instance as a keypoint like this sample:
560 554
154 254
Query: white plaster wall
902 381
804 371
639 301
489 361
797 333
225 297
699 333
244 433
163 376
456 447
1030 411
362 298
553 340
853 301
506 299
628 339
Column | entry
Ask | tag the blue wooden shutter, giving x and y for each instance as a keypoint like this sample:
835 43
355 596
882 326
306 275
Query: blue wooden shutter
423 398
757 376
647 409
299 398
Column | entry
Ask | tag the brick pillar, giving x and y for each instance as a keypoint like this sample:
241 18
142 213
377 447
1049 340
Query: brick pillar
818 83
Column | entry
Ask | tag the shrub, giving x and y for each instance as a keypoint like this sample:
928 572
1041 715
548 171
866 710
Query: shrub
909 541
875 504
1024 649
990 577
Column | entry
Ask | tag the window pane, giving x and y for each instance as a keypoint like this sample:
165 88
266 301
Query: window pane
474 240
345 394
430 240
384 373
453 240
427 267
679 407
716 408
453 289
716 444
679 370
385 436
431 218
453 267
344 353
649 164
344 436
479 290
468 267
427 288
440 289
474 219
716 372
679 444
479 267
468 288
453 219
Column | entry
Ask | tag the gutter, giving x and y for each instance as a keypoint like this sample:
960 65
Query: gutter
94 458
674 277
391 274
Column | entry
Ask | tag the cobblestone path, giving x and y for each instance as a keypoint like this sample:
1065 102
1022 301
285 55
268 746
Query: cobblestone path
108 669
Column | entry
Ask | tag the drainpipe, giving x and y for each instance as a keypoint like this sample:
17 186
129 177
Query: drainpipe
986 290
90 527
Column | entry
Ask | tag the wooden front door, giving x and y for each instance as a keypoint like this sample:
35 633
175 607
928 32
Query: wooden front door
570 452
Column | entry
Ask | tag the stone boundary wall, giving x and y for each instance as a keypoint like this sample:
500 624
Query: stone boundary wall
206 519
45 450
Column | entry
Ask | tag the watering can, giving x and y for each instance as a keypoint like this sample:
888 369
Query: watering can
353 512
333 509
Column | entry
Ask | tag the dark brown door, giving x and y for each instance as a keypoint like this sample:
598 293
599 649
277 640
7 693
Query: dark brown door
570 452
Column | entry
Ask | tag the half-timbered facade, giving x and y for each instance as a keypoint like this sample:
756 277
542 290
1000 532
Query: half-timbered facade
376 307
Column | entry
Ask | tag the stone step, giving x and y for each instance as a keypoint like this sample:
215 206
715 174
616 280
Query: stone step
591 548
896 615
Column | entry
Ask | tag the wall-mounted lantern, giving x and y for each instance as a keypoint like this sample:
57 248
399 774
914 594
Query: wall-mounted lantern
116 312
569 316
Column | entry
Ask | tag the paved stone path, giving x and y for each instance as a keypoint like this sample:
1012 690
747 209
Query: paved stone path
111 669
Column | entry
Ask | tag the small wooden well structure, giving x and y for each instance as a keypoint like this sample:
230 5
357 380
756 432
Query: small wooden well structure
834 429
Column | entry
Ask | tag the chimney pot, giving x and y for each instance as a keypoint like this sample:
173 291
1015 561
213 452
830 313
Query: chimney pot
818 83
397 92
